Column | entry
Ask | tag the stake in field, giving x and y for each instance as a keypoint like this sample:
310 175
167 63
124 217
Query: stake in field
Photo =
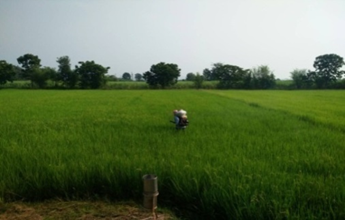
245 154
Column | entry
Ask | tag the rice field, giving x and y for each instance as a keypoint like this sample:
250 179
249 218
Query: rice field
245 154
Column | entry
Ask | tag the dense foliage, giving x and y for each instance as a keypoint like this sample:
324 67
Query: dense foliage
68 77
6 72
327 70
91 75
235 77
30 65
162 74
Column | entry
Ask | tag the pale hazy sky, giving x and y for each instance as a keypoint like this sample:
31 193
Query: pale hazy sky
131 35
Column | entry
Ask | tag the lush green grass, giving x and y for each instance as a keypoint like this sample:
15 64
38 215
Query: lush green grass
315 106
245 155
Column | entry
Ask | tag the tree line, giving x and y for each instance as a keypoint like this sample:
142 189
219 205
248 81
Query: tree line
85 75
90 75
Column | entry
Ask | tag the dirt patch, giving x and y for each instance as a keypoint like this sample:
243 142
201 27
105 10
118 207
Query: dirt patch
79 210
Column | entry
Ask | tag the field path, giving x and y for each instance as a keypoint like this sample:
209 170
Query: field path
81 210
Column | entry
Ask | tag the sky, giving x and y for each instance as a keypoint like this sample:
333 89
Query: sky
132 35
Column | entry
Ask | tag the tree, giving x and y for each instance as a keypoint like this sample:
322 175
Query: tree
190 77
40 76
327 70
126 76
219 70
138 77
263 78
65 74
208 75
7 72
300 78
163 74
229 76
198 81
18 73
91 74
30 63
151 78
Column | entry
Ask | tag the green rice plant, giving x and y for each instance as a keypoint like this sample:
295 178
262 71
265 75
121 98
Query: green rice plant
126 85
313 106
144 85
245 155
191 85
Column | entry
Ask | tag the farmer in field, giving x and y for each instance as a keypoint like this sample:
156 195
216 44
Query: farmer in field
180 119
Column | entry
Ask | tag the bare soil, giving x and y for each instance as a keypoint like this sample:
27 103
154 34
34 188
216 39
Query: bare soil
80 210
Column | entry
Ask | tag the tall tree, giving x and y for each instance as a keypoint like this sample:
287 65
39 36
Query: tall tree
41 75
65 74
18 73
208 75
198 81
300 78
91 74
162 74
7 72
327 70
263 78
30 63
231 76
